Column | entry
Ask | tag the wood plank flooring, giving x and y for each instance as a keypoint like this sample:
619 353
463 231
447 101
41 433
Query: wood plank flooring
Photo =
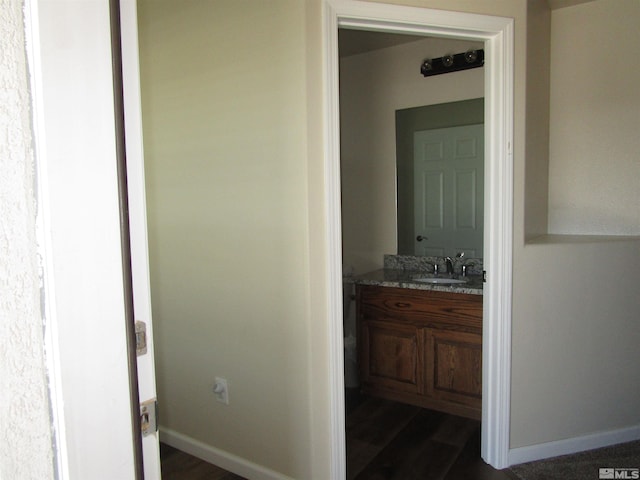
385 441
177 465
391 441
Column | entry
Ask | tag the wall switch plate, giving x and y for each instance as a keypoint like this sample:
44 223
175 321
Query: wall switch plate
221 390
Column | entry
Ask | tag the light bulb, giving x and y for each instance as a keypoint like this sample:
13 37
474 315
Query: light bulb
471 56
426 67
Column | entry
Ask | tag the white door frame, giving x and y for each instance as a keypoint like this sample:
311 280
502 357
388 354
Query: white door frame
497 35
141 281
79 241
79 225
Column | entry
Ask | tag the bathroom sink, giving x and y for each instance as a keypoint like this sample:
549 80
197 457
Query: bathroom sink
439 280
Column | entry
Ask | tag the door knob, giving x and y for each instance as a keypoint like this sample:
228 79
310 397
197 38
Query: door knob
421 238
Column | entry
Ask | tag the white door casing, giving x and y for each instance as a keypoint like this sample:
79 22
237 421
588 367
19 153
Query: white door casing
448 191
141 282
71 75
498 37
74 119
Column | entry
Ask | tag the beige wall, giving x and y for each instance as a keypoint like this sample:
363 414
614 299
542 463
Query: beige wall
575 339
595 114
537 120
224 109
372 87
232 111
573 297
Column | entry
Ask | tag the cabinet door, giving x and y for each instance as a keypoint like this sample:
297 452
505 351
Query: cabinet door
454 366
391 357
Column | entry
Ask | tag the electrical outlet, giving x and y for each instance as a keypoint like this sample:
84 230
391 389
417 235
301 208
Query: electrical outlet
221 390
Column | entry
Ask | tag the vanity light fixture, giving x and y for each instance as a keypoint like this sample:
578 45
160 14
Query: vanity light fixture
452 63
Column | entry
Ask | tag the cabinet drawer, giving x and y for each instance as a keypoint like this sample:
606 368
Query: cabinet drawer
419 306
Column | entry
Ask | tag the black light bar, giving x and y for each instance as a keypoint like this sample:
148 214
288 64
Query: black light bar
452 63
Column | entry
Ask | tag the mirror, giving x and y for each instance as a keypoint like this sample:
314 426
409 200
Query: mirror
440 177
374 86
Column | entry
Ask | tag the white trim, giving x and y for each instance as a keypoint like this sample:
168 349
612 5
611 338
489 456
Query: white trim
80 245
221 458
141 283
498 254
497 33
333 214
573 445
44 243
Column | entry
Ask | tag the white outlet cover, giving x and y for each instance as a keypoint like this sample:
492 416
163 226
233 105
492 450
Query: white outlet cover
221 390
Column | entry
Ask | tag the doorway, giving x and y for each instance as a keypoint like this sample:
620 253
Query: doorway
386 106
497 35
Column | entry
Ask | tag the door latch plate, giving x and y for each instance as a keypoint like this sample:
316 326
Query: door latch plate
141 338
149 417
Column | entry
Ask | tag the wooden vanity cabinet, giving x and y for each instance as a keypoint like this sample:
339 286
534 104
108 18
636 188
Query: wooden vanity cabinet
421 347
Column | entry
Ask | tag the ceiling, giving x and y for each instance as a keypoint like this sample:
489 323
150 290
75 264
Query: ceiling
353 42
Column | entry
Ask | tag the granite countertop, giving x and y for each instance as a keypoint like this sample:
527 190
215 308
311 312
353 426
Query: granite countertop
386 277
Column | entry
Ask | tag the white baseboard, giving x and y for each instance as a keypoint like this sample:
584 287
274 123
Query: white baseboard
228 461
573 445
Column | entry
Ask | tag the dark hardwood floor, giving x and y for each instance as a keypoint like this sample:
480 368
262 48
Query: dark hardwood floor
385 441
177 465
392 441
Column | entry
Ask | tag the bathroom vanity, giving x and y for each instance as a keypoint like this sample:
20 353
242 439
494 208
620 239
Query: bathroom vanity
420 344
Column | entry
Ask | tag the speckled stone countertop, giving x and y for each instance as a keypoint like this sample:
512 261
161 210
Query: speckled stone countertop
402 270
386 277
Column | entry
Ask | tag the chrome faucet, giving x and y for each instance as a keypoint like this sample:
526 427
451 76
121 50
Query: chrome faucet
449 262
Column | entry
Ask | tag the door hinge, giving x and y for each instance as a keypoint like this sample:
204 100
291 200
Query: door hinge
149 417
141 338
484 276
